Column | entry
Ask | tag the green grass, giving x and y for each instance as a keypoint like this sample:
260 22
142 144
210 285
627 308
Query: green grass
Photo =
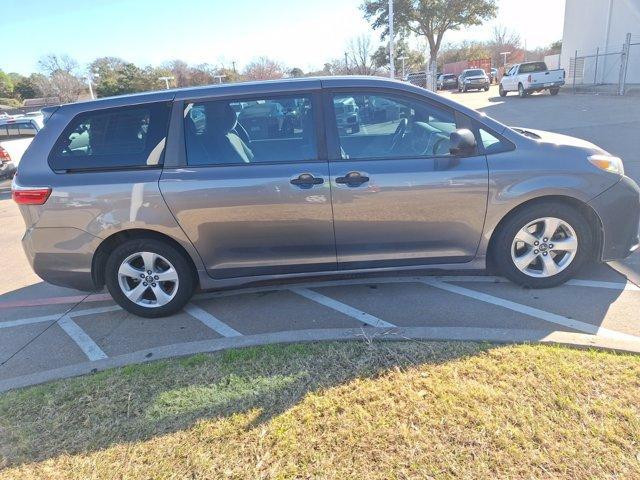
336 410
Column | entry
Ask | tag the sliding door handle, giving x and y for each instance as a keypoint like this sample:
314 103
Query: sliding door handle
353 179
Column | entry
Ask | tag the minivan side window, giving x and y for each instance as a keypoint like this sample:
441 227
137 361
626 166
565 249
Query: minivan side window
390 126
244 131
113 138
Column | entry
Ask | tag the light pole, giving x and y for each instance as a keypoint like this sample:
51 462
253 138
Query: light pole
392 68
166 80
89 80
403 58
505 58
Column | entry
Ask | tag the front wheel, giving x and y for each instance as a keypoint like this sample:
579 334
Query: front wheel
543 245
502 91
554 91
149 278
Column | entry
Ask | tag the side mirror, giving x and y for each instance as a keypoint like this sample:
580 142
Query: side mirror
462 142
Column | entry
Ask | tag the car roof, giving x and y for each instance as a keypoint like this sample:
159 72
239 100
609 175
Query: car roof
269 87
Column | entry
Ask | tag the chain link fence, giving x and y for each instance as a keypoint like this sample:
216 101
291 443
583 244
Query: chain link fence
613 69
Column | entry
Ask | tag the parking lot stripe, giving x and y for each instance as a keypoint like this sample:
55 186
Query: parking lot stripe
210 321
342 308
29 321
628 286
84 341
531 311
51 318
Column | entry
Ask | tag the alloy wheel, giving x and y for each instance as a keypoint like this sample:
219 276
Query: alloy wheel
544 247
148 279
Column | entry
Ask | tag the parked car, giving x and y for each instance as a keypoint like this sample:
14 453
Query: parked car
417 78
447 81
16 133
473 78
347 114
527 78
154 208
264 119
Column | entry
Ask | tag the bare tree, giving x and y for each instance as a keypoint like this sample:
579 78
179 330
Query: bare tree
360 56
52 63
263 68
503 40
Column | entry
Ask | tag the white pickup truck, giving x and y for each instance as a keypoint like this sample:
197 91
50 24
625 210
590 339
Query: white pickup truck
526 78
16 133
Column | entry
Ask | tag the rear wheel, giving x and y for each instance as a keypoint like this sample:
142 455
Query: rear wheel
486 89
554 91
543 245
502 91
521 91
149 278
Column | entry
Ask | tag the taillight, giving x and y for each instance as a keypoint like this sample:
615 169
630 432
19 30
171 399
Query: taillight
4 156
29 195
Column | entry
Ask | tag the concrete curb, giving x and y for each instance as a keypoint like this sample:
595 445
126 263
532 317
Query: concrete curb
493 335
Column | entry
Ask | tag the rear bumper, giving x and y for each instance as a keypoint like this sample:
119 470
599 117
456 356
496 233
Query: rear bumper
61 256
536 87
619 212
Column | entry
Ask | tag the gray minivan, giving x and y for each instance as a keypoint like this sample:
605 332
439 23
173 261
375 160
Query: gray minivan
158 194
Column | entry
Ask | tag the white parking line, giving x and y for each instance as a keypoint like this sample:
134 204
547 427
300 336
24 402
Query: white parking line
628 286
531 311
29 321
51 318
342 308
210 321
84 341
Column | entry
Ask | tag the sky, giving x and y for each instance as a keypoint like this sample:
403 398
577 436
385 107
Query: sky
297 33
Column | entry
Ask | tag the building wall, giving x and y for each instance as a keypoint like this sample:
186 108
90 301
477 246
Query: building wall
603 24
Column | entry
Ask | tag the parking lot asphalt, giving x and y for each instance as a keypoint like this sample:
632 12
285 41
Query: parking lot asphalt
48 332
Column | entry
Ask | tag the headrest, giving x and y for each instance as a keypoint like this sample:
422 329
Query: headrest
221 118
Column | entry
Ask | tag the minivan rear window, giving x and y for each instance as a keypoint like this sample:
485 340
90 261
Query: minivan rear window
114 138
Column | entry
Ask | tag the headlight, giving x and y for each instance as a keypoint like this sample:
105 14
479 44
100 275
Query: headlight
608 163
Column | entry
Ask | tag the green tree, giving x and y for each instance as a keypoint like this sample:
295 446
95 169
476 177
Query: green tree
6 85
430 19
27 87
414 60
296 72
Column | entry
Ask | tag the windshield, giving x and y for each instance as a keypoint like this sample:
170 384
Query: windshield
470 73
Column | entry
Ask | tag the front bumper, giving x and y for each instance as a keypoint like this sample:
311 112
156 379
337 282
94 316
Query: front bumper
474 84
619 212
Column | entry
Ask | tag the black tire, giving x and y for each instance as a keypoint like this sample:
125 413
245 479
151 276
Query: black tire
521 91
184 269
486 89
502 91
500 254
554 91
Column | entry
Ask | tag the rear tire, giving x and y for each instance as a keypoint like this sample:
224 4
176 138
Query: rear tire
502 91
554 91
521 91
572 237
146 294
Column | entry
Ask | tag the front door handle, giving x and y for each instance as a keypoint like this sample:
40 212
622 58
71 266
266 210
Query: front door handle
353 179
306 180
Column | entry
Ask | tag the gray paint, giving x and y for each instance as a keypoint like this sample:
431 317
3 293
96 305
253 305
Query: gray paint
241 224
